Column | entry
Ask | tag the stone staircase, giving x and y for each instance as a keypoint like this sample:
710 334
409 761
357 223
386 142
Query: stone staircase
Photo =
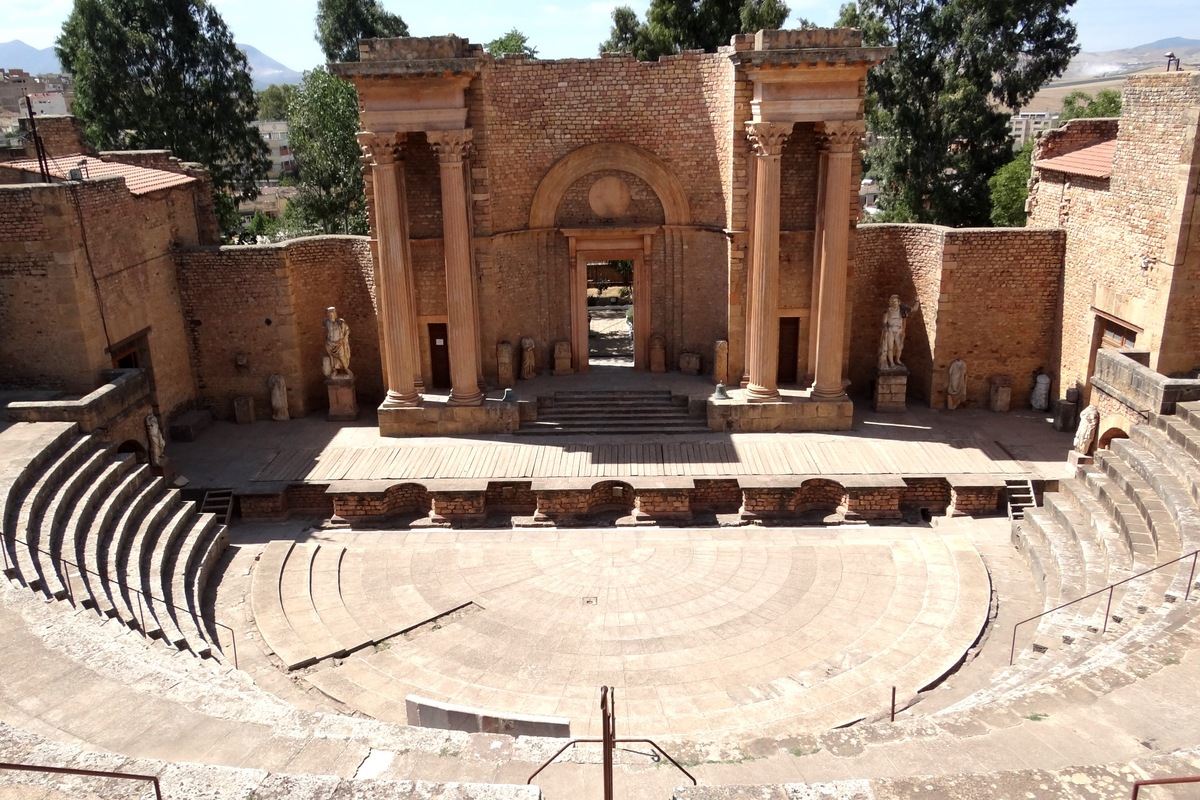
613 412
86 525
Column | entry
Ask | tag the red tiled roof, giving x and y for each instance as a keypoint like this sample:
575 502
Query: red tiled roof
140 180
1095 161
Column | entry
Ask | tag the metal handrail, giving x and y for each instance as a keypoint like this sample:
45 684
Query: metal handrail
1137 785
87 773
608 725
1194 556
141 600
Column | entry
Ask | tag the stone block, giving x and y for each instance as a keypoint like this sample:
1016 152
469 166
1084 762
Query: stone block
343 399
891 390
562 359
1000 399
1066 415
243 410
689 363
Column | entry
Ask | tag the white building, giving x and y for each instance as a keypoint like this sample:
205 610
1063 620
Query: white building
275 133
48 104
1028 124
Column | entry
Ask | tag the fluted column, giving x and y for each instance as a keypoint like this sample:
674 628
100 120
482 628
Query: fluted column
762 351
452 148
395 289
839 141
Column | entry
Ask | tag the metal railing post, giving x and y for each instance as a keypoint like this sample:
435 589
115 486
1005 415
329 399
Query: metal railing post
893 704
141 611
1187 595
88 773
1107 610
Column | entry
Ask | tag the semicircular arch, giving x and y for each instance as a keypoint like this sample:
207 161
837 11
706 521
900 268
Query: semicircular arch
609 156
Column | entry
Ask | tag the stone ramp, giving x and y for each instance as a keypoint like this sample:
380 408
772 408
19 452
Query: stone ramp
703 633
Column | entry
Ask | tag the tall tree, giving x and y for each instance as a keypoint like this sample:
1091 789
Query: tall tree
322 121
341 23
1009 188
1106 103
936 106
273 101
512 43
166 74
675 25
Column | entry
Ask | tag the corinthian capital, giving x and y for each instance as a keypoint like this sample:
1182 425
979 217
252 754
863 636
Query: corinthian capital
768 138
451 146
379 149
841 136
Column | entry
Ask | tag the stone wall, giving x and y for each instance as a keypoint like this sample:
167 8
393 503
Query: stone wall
257 310
987 295
85 269
1132 254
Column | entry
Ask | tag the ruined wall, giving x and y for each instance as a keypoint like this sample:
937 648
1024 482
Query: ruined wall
256 310
1126 234
988 296
88 267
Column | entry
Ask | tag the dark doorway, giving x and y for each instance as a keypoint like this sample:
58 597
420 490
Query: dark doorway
439 355
134 353
789 349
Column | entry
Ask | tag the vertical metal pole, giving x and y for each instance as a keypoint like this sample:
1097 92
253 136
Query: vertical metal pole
608 734
1108 608
1191 576
893 704
141 612
70 588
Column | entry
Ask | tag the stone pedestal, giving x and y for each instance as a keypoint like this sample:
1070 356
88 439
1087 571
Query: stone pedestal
1001 393
1066 416
891 390
658 354
243 410
689 363
562 359
343 398
721 362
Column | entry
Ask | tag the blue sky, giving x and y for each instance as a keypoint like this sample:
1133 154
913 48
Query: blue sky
563 28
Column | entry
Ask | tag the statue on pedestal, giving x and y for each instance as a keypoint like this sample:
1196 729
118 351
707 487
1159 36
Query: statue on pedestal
156 444
956 385
891 340
336 361
1089 422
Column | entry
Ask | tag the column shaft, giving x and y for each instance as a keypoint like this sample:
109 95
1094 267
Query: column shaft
762 351
463 327
395 272
841 139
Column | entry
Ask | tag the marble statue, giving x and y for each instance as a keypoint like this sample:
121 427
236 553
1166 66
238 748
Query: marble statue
505 368
528 359
154 438
956 384
279 401
891 340
337 345
1089 422
1040 398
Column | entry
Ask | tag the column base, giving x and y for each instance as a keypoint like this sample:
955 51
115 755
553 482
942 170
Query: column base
472 398
761 394
398 400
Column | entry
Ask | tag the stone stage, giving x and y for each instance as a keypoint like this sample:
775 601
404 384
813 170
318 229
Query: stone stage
726 632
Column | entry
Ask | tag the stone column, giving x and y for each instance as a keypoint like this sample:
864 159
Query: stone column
839 141
395 290
762 351
452 148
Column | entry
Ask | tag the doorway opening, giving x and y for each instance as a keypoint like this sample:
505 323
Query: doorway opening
789 350
439 356
610 314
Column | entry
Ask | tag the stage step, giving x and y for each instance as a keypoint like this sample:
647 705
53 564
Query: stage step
615 412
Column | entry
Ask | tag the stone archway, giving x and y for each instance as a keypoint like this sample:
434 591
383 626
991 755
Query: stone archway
609 156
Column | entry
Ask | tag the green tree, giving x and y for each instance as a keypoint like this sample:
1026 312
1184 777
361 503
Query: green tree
322 121
1106 103
936 106
675 25
273 101
341 23
512 43
166 74
1009 187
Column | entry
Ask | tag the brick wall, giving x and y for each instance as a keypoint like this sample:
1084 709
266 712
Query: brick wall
256 310
988 296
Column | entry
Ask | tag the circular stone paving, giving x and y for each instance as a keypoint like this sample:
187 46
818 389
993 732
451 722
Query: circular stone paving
746 631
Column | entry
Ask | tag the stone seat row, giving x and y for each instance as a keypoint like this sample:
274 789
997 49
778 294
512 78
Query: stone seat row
632 500
85 524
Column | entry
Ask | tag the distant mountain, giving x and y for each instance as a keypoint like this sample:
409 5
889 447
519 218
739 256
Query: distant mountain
18 55
263 69
1087 66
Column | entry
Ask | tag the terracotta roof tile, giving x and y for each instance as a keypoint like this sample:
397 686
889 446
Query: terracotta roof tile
1095 161
140 180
